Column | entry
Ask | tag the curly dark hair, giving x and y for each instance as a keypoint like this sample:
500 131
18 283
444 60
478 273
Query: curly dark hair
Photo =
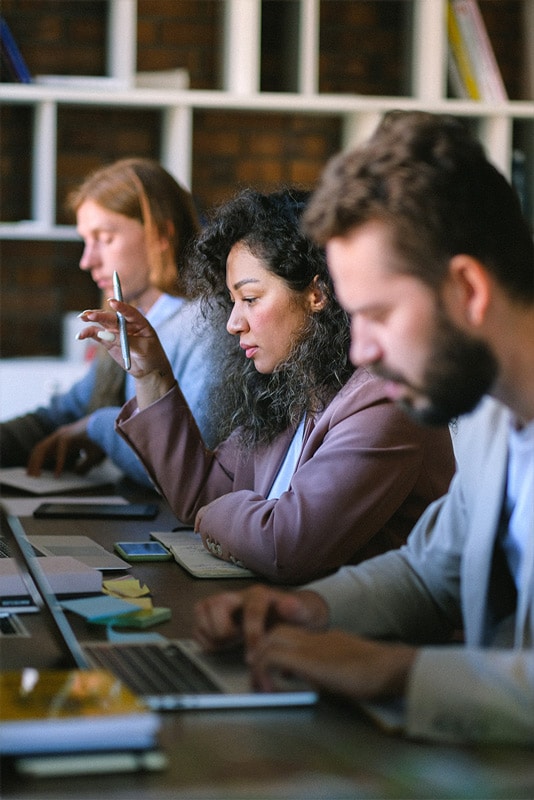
262 406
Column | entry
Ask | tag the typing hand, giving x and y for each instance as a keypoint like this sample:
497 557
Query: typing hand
334 661
68 447
231 618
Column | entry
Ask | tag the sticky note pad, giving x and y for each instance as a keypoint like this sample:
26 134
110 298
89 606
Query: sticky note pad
125 587
142 619
99 608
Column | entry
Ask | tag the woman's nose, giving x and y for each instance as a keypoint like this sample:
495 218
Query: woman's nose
236 322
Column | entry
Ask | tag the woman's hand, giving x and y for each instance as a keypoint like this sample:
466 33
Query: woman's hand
149 363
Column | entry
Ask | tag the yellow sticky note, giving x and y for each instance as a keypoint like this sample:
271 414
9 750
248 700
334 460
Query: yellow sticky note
125 587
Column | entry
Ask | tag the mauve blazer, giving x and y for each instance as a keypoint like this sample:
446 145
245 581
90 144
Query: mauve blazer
365 474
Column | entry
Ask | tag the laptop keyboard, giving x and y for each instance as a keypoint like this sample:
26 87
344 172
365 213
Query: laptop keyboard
152 669
7 628
5 552
10 625
4 549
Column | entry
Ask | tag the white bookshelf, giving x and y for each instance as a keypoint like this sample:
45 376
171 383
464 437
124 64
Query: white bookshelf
240 69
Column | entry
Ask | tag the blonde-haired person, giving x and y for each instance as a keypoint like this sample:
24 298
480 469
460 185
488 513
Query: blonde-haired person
136 219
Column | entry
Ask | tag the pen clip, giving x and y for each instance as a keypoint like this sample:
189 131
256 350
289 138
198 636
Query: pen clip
125 347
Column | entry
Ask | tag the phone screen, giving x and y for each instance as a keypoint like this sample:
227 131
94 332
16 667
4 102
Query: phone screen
143 551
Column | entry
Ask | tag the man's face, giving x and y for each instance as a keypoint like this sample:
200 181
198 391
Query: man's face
399 328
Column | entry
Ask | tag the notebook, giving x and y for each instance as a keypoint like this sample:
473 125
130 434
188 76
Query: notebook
47 483
167 674
188 551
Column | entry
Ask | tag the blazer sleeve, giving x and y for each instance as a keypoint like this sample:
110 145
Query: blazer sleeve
166 438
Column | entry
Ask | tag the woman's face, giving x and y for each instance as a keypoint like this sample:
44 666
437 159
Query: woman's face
267 316
114 242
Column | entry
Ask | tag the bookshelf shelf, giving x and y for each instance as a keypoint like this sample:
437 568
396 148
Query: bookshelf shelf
241 36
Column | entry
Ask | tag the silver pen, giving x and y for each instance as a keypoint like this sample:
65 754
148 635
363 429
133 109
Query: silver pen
125 347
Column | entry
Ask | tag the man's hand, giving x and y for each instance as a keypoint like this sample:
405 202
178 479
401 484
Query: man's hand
231 618
285 633
335 661
68 447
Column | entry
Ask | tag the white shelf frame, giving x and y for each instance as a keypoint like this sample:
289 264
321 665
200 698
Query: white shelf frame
240 79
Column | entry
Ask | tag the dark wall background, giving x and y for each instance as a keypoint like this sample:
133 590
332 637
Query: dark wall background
362 51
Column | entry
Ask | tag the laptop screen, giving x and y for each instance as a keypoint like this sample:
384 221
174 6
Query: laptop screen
31 571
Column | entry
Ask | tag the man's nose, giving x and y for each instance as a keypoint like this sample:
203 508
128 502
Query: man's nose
90 257
364 346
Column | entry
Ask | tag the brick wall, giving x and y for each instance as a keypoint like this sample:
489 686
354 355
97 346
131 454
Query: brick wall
362 50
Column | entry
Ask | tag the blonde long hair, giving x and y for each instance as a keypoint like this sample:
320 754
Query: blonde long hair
141 189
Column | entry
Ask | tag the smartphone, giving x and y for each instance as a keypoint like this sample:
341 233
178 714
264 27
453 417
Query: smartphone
96 511
143 551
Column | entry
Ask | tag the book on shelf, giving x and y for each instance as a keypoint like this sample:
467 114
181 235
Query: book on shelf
520 181
71 711
12 59
473 70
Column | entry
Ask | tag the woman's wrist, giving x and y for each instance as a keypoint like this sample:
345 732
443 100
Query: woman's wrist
154 385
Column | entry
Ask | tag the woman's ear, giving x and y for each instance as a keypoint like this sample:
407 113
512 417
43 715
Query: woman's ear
318 297
467 291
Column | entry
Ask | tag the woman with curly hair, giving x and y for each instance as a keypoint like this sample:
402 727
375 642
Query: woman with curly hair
316 466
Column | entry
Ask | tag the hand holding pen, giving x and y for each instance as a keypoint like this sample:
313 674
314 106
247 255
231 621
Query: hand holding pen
147 360
123 333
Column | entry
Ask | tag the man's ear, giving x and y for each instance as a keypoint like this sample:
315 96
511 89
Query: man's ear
318 297
467 290
164 239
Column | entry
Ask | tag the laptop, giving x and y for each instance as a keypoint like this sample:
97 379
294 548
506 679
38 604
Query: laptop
72 564
169 674
80 547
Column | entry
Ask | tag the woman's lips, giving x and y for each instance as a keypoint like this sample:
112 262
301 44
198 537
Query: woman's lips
250 350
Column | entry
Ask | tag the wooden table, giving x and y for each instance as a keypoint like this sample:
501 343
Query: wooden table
328 751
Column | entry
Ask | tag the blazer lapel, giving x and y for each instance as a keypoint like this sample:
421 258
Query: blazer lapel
483 529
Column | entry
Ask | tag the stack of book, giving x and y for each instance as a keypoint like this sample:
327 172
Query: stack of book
55 722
